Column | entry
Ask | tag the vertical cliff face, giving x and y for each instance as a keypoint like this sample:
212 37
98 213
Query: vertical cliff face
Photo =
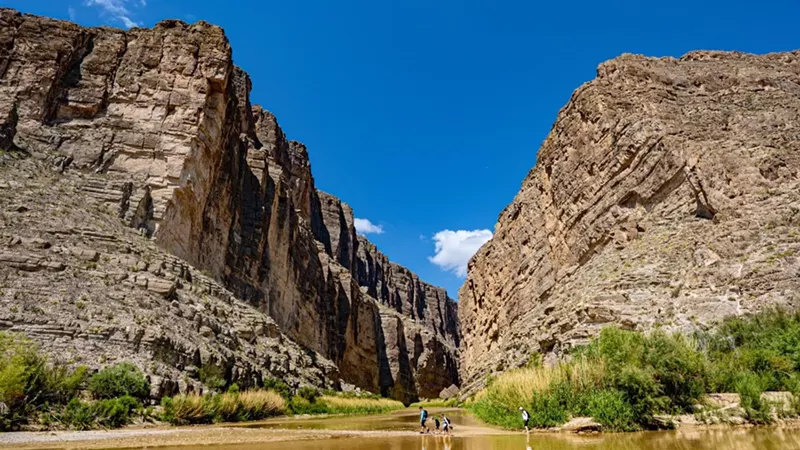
400 289
164 116
417 323
666 195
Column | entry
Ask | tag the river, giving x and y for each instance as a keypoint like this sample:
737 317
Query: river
470 434
398 431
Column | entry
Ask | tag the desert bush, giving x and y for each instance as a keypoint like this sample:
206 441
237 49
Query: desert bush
77 415
30 383
115 412
623 378
611 409
212 376
119 380
279 386
309 393
299 406
750 387
108 413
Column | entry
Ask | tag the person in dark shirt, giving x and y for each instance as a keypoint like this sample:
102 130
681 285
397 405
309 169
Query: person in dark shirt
423 417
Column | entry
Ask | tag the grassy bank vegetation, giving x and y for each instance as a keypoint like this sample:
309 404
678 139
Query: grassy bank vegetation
234 406
33 389
38 392
227 407
624 379
436 403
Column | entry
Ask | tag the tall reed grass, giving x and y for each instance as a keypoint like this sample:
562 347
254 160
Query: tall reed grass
624 379
227 407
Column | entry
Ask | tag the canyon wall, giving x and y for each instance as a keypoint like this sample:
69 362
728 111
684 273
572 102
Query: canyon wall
666 195
153 129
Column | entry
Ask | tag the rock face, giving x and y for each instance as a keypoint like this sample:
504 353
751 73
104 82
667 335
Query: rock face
666 195
153 129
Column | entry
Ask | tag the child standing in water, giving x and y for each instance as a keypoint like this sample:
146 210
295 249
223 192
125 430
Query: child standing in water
445 424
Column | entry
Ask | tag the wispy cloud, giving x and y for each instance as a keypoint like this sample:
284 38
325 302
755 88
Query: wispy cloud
455 248
118 10
73 15
364 226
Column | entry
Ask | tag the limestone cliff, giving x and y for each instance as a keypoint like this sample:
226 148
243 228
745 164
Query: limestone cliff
666 195
153 129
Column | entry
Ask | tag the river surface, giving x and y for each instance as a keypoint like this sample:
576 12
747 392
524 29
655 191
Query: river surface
396 431
470 434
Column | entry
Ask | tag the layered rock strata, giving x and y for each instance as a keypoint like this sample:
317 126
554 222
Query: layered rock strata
154 128
666 195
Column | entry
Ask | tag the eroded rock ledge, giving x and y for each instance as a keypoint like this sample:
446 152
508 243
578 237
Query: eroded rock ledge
154 128
666 195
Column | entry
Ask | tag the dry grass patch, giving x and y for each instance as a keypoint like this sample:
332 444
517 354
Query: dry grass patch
354 405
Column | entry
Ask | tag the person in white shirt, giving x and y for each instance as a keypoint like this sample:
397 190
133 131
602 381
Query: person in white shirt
525 418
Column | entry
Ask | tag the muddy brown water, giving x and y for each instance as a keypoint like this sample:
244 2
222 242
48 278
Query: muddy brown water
471 434
397 431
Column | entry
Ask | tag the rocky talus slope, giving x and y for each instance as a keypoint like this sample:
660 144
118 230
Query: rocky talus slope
666 195
151 213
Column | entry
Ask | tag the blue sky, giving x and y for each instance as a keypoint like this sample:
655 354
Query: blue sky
426 115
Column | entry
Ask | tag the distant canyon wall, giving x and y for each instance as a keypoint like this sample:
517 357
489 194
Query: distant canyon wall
213 180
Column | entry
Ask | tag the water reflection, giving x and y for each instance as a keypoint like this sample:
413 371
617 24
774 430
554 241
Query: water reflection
725 439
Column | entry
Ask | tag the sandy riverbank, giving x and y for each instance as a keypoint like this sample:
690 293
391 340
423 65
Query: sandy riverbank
398 424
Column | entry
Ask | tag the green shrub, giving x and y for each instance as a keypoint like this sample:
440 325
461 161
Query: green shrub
213 377
109 413
750 387
309 393
624 379
279 386
436 403
612 410
116 412
337 404
119 380
548 410
29 383
299 405
77 415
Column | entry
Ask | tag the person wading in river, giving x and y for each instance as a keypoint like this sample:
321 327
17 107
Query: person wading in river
445 425
525 418
423 417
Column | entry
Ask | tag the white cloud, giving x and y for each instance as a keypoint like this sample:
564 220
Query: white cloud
364 226
117 9
455 248
128 22
72 14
